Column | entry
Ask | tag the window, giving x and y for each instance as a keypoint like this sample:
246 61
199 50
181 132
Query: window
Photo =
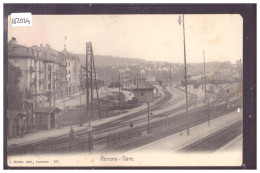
69 64
142 93
49 86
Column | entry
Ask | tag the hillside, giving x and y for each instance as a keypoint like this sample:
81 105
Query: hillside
105 60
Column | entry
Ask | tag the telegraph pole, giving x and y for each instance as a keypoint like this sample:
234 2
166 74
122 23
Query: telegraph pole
170 74
50 94
122 83
148 116
91 81
201 81
185 71
89 76
99 113
64 92
206 99
204 74
35 87
137 78
119 91
208 114
87 84
54 100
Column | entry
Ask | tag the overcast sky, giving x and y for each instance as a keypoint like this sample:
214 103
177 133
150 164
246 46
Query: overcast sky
149 37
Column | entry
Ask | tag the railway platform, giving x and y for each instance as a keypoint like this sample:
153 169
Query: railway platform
176 142
48 134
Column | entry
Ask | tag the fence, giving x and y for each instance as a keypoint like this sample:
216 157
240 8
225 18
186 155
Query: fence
183 118
125 135
67 144
84 143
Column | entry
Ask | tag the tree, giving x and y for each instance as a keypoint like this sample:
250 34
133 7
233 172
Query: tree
14 95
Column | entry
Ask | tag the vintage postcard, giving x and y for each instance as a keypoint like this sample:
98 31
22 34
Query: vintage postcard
124 90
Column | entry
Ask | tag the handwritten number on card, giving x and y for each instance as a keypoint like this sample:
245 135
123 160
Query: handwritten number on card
20 20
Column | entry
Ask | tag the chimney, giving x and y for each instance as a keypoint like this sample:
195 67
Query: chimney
14 40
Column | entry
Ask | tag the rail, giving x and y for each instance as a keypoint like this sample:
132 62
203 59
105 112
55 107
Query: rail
123 139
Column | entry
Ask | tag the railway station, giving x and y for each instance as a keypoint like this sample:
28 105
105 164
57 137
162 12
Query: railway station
64 102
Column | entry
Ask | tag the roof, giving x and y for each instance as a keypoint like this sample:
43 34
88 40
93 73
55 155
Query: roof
46 109
13 114
47 53
144 85
20 51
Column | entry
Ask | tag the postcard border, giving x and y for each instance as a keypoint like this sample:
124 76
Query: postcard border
247 11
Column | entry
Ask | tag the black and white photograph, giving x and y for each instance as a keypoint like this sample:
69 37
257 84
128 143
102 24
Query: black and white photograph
124 90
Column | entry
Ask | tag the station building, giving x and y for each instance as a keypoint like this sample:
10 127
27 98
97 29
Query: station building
143 92
15 123
46 117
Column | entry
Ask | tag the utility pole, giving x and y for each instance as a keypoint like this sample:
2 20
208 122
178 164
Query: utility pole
185 71
35 104
50 94
44 85
227 92
80 96
148 116
64 91
204 74
35 91
99 113
170 74
208 114
119 91
122 83
137 79
91 81
87 84
53 88
80 88
92 70
54 100
201 81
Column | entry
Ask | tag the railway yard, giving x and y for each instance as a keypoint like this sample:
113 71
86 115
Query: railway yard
129 91
130 131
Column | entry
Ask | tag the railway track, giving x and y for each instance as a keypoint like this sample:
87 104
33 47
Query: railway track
127 120
139 113
129 145
216 140
99 137
98 129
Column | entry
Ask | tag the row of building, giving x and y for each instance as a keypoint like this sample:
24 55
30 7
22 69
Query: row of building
46 71
47 75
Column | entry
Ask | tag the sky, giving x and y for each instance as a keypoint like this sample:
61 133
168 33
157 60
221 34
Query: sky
148 37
